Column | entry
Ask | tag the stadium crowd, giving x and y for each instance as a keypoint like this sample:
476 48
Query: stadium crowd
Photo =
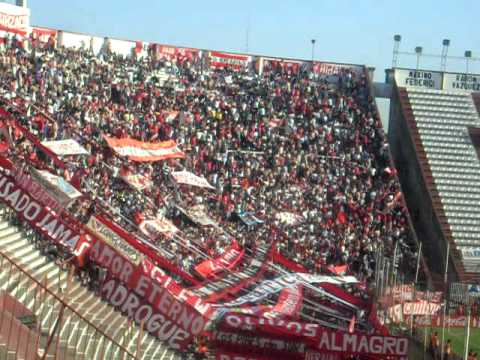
282 142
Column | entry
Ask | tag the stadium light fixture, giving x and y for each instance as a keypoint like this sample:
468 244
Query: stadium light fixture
313 41
418 51
443 61
396 45
468 56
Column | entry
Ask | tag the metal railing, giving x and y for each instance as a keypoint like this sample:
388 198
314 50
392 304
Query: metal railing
47 325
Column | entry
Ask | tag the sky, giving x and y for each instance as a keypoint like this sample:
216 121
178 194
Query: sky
350 31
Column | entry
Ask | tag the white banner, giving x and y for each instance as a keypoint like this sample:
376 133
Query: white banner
188 178
269 287
418 78
56 186
462 82
14 17
65 147
154 227
289 218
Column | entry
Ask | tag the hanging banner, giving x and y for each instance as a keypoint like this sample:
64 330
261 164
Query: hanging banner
60 189
65 147
314 337
289 302
104 232
39 193
287 66
268 287
163 316
197 215
418 78
222 60
188 178
155 227
248 218
38 216
228 260
172 52
14 19
455 321
144 152
462 82
289 218
137 181
44 34
323 68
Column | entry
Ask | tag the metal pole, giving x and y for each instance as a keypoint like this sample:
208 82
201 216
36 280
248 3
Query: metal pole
425 333
467 336
445 303
418 263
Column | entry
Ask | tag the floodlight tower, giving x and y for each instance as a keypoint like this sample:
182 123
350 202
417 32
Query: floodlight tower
396 45
313 49
443 61
468 56
418 51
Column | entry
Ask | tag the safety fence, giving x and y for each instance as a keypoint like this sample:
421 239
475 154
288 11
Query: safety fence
37 321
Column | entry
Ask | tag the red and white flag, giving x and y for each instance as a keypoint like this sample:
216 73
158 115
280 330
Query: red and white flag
141 151
222 60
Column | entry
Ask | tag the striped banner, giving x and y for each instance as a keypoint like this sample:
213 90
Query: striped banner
141 151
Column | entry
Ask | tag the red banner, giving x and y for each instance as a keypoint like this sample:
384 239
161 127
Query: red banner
144 293
172 52
163 316
285 65
38 216
289 264
222 60
38 192
146 249
228 260
457 321
289 302
315 337
335 69
44 34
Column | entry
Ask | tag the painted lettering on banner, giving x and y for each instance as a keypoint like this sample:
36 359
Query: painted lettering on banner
36 190
169 320
104 232
462 82
315 337
418 78
37 215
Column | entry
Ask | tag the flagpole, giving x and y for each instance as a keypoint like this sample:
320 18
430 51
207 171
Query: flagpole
415 284
445 301
467 337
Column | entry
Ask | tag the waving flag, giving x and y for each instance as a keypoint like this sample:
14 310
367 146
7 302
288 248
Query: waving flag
142 151
188 178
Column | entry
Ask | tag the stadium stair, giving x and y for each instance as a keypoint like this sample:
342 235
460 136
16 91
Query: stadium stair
439 122
76 335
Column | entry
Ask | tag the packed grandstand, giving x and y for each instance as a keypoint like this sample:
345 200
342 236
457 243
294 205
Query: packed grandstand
227 204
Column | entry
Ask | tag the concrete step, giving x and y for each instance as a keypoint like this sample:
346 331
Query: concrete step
76 336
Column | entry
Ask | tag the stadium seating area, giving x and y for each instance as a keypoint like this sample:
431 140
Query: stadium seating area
443 120
278 142
297 159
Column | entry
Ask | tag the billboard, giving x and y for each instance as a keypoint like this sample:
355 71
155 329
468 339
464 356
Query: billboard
418 78
465 82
